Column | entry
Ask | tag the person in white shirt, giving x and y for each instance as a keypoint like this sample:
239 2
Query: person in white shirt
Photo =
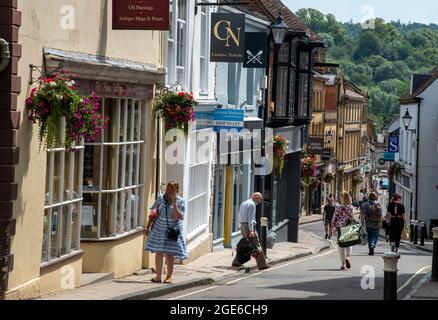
248 223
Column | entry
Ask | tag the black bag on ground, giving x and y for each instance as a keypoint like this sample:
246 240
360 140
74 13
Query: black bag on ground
243 251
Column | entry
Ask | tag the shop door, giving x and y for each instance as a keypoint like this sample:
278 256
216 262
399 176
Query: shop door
219 207
284 188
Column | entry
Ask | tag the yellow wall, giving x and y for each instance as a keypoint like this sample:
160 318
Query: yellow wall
41 27
121 257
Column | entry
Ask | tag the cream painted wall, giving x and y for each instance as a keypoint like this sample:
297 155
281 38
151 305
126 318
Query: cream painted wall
122 257
41 27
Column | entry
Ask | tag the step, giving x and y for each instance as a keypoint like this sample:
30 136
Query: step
92 278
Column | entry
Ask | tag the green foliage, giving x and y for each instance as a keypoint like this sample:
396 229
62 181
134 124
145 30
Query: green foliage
381 61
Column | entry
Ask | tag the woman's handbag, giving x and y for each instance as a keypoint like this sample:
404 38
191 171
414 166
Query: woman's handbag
172 233
350 235
405 234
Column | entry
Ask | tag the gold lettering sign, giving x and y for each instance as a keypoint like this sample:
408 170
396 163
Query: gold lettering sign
230 33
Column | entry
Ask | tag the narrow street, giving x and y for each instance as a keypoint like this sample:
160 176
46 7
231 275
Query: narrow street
318 277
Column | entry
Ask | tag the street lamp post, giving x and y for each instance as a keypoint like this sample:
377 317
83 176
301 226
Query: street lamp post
278 31
407 118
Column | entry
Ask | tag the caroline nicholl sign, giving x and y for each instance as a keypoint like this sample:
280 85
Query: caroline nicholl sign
227 37
141 14
315 145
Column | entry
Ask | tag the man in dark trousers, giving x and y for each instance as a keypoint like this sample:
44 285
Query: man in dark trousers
248 223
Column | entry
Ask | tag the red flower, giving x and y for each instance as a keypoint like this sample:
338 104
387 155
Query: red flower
181 94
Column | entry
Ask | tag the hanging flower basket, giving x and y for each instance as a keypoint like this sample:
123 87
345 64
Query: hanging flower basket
314 183
57 97
176 109
329 178
395 169
308 166
280 146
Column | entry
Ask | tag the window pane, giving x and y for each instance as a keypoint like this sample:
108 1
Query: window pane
112 111
89 215
282 85
48 177
57 178
303 90
292 87
54 231
304 60
182 9
109 213
68 164
171 20
75 226
91 168
66 229
110 168
283 54
77 174
46 235
121 214
180 57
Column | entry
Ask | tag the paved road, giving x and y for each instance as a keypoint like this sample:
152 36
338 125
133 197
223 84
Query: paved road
317 277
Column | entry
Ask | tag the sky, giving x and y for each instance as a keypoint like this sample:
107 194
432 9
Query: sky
423 11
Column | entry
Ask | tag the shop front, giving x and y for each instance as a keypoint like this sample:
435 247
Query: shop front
282 190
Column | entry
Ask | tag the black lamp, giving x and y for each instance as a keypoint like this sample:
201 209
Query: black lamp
329 136
407 118
279 30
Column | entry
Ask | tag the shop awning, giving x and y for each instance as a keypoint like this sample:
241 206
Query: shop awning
102 68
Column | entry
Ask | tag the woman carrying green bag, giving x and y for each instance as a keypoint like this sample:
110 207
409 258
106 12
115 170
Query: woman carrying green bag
343 217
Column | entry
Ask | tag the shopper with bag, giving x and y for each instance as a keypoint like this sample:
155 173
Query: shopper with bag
166 236
397 221
250 238
343 217
371 215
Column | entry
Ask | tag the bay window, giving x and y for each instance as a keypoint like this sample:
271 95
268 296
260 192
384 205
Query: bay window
204 49
113 175
63 198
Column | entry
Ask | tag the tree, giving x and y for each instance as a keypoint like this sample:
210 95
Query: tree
395 86
389 70
328 39
369 44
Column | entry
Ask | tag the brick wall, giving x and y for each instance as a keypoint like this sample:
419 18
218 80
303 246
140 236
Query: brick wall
10 87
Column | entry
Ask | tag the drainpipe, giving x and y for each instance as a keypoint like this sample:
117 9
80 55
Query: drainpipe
417 158
5 54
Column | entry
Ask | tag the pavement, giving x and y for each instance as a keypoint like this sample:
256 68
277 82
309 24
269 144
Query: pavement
206 270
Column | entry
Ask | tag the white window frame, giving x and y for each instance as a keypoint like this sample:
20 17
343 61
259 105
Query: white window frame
62 203
173 49
204 60
121 220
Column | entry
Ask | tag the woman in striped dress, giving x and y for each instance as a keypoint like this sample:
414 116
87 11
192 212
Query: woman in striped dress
171 210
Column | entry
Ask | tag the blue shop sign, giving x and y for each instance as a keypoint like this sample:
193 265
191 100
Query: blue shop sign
220 119
393 144
389 156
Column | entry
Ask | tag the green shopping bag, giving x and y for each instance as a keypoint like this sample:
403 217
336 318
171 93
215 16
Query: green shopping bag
351 235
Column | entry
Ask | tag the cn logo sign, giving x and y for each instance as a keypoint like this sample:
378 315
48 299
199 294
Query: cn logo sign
393 144
230 34
227 37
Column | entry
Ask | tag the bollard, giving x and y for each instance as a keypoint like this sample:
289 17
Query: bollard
264 230
435 255
423 232
390 278
415 232
411 235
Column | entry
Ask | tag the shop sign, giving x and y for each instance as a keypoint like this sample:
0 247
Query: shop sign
315 145
255 50
141 14
389 156
220 119
115 89
393 144
227 37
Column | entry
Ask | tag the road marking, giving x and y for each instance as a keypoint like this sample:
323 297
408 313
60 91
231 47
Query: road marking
412 278
314 235
192 293
417 287
255 274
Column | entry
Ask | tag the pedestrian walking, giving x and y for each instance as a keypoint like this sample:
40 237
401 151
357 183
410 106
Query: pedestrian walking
397 221
343 217
248 223
329 211
386 220
167 236
371 215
